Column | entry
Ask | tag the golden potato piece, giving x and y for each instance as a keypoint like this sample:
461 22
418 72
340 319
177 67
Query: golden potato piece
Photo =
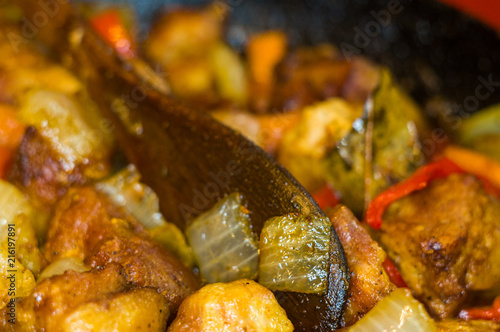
27 251
15 279
62 265
304 147
241 305
136 310
182 34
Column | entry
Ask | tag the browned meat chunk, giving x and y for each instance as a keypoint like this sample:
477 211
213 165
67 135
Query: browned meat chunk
39 172
24 68
55 297
147 265
369 283
446 241
82 219
87 226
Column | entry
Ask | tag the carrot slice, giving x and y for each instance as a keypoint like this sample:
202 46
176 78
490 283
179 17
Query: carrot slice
265 51
475 163
11 133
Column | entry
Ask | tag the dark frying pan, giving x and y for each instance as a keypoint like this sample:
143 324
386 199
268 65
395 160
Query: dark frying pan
431 48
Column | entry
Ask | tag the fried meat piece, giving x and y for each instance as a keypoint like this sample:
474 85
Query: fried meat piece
308 75
88 226
368 283
445 239
39 172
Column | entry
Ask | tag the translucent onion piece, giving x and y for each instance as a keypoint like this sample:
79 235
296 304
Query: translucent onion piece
126 190
135 310
62 265
294 254
223 243
398 311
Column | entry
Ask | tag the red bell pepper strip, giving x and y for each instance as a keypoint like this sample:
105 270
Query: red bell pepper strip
419 180
393 273
110 27
488 313
326 197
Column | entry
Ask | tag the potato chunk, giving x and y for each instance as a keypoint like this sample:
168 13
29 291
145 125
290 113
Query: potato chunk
241 305
136 310
304 147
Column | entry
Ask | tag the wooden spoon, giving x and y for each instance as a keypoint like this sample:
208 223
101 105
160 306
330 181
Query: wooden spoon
189 159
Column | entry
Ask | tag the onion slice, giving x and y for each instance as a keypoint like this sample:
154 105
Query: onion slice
398 311
294 254
223 243
125 189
